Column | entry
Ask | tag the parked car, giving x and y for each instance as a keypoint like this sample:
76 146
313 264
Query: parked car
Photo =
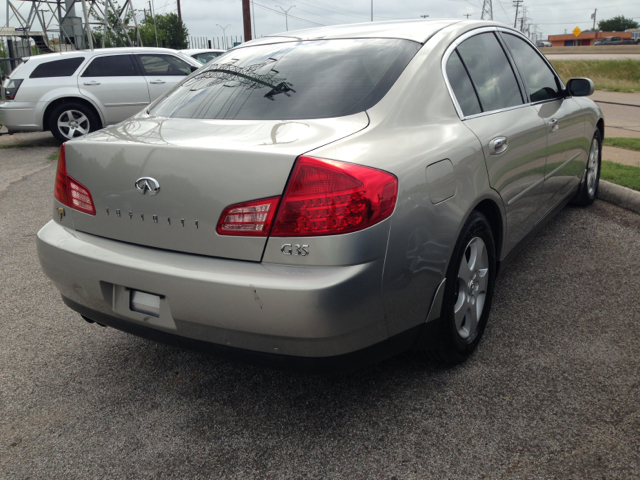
609 41
322 198
202 55
543 43
74 93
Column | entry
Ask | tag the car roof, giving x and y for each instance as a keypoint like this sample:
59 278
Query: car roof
190 51
83 53
416 30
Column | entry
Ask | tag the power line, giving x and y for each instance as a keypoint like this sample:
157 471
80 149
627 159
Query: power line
292 16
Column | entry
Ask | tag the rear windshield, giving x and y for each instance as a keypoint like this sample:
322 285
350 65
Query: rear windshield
293 80
57 68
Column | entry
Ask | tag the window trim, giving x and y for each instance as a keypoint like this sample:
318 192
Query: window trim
497 30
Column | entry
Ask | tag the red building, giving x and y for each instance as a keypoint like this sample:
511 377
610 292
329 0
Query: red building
584 39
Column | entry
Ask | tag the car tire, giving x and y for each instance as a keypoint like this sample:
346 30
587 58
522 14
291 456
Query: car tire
467 296
72 120
589 186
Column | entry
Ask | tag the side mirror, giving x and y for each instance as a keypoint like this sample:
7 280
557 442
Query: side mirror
580 87
194 68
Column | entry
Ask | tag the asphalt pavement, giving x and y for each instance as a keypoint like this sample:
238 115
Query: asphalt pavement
552 391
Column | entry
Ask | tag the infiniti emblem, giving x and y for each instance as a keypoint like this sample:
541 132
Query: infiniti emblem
147 184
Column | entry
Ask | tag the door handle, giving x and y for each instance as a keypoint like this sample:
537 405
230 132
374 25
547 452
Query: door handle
91 84
553 124
498 145
157 82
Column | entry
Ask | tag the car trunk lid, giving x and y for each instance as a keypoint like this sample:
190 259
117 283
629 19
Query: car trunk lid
200 166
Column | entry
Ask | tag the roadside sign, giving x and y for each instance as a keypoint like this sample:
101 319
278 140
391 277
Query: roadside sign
235 44
577 31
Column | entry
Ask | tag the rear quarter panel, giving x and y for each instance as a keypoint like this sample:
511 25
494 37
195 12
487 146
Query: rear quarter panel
415 125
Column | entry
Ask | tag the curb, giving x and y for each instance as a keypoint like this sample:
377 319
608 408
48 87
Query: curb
621 196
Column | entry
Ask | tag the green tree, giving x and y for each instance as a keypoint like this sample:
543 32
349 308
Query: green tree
169 27
617 24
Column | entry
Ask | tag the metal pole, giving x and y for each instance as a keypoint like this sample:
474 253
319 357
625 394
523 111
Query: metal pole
286 14
594 19
253 19
153 15
86 24
372 10
224 34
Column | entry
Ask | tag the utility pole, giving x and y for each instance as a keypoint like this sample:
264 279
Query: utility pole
286 14
467 15
246 19
593 15
516 3
523 18
487 10
371 12
179 12
424 16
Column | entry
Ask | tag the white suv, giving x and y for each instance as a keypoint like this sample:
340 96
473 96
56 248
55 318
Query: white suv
74 93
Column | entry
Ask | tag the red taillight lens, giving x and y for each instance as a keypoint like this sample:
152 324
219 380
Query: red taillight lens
249 218
69 192
326 197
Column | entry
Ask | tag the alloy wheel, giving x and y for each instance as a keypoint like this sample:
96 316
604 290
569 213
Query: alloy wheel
473 281
592 167
73 123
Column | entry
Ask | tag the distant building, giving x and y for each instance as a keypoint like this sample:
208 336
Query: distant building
585 38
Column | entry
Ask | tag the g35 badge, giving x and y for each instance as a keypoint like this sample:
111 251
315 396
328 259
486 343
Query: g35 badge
289 249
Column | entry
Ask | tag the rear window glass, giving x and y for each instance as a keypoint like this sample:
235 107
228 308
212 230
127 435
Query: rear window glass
57 68
293 80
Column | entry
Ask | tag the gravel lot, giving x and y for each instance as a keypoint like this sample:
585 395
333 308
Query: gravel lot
551 393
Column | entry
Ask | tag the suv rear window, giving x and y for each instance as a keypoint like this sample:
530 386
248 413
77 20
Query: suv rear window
292 80
57 68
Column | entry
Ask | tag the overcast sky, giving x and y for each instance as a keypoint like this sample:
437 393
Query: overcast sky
202 16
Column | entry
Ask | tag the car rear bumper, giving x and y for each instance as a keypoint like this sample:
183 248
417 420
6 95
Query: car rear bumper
19 117
281 310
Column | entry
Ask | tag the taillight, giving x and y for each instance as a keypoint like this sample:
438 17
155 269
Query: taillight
10 88
249 218
326 197
69 192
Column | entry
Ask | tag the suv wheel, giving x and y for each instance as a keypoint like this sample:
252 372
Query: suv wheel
72 120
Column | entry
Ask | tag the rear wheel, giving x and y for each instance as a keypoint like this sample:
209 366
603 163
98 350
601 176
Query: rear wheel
589 186
468 294
72 120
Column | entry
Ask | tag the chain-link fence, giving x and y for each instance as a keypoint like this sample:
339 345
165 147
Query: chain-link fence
219 43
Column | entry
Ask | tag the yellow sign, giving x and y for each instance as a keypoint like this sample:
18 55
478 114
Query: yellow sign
577 31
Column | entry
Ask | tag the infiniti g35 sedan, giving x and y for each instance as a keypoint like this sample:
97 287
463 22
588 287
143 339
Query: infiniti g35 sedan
324 198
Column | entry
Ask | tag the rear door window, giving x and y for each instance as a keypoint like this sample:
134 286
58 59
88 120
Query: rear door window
57 68
160 65
111 66
292 80
462 87
540 81
491 72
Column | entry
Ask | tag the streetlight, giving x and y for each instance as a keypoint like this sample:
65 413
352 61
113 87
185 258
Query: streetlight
224 34
286 17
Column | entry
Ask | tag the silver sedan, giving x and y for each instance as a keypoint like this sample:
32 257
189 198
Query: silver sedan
327 198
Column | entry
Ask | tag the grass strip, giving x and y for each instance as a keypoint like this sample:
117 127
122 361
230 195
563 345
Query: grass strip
612 75
624 175
621 142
